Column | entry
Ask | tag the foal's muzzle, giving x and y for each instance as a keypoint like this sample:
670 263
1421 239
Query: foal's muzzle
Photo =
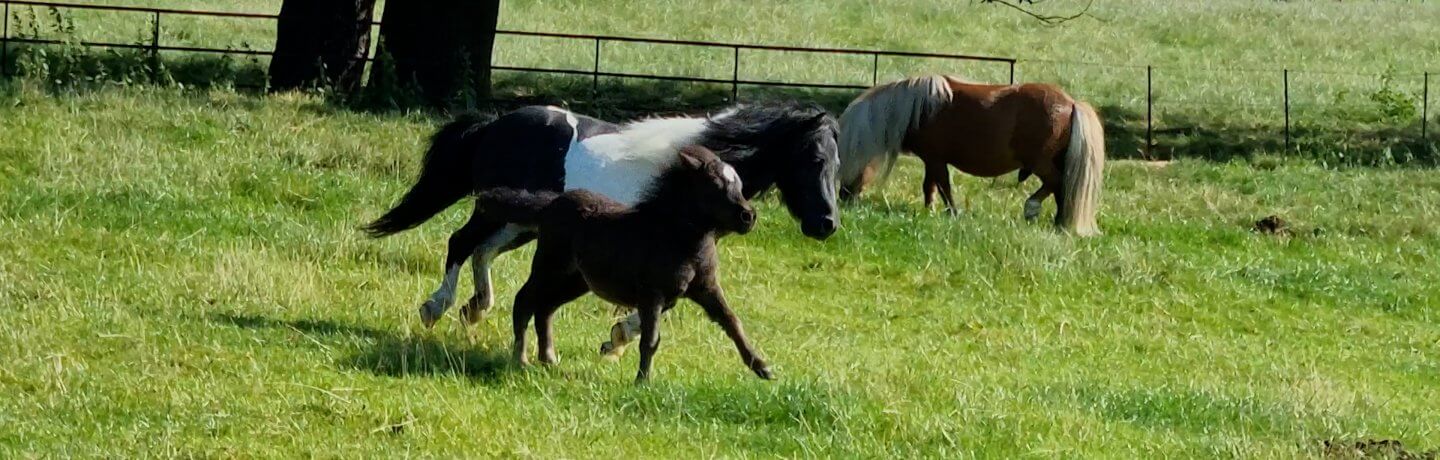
746 221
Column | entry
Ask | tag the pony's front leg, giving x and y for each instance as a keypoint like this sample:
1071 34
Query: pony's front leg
650 333
621 334
1036 201
712 300
937 179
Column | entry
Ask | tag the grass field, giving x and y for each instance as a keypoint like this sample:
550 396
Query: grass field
181 275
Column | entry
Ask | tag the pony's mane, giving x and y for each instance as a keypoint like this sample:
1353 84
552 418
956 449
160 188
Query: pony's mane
737 132
654 140
874 125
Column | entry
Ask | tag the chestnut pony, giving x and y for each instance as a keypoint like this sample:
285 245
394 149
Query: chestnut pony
983 130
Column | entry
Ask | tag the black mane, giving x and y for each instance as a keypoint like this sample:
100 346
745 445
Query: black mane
754 127
762 140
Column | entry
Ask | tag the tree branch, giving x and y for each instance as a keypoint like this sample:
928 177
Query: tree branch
1046 19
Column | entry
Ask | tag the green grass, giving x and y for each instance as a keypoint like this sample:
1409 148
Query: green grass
181 273
183 276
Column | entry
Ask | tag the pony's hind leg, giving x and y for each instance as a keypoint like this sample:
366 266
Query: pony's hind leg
562 289
1036 201
462 243
553 282
502 239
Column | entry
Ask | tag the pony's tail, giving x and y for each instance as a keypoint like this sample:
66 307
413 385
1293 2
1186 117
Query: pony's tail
1083 174
445 178
874 126
514 205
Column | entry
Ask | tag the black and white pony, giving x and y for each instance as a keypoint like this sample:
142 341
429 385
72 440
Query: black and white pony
787 146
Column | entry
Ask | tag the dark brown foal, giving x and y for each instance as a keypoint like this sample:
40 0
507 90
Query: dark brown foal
644 257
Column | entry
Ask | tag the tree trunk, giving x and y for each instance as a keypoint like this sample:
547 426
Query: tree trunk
321 43
439 48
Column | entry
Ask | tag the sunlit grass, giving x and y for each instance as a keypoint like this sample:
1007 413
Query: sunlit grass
183 276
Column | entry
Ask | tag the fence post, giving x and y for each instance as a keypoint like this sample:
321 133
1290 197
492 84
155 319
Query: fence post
1012 71
874 69
155 47
735 79
1287 110
595 75
1149 113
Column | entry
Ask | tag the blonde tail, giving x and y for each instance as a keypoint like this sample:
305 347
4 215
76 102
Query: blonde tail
874 126
1084 168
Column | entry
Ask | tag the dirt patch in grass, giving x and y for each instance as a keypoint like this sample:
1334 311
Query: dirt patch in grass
1375 448
1272 225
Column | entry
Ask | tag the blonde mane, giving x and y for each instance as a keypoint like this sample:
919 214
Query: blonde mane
874 125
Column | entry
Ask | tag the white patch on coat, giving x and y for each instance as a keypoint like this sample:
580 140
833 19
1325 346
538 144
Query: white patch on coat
621 166
725 113
444 297
731 177
484 255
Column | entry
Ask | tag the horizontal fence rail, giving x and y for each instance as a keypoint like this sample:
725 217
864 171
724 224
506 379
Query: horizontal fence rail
598 70
595 72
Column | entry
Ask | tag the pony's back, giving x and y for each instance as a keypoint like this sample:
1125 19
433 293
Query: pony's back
545 208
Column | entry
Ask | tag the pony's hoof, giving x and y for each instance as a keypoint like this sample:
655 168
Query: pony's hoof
474 310
430 313
610 352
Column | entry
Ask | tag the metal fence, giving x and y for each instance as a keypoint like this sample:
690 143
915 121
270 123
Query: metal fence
598 69
595 72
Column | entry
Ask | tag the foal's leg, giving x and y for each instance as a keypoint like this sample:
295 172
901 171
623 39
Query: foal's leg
713 301
559 291
462 244
1036 200
553 281
650 333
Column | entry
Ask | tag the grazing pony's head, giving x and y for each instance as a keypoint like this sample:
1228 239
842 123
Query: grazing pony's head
790 146
702 189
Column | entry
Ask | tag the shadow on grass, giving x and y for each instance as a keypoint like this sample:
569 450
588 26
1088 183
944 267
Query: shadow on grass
1201 136
1329 136
387 353
71 69
779 403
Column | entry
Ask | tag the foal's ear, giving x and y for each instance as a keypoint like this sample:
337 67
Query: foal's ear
819 118
691 157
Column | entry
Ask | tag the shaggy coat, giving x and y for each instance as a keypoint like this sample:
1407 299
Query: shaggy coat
644 257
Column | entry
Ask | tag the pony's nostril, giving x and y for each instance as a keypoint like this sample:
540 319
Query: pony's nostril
747 216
